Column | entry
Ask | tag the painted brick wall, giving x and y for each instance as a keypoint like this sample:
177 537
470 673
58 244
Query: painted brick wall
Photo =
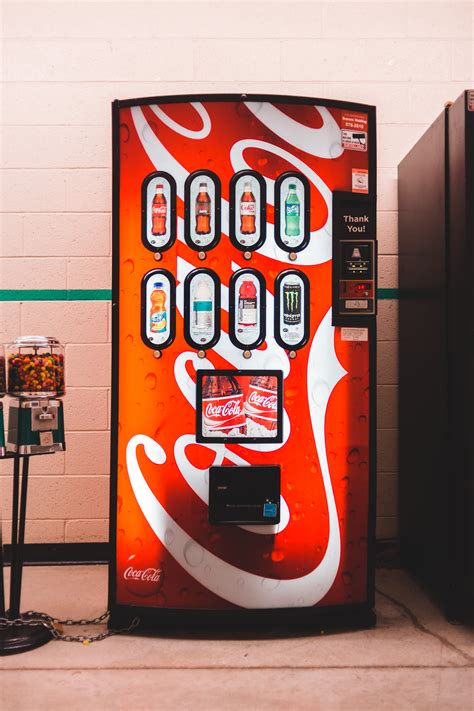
63 62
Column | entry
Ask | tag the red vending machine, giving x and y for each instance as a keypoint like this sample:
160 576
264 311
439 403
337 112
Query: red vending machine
243 397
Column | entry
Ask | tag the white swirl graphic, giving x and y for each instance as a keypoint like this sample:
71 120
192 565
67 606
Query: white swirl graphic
182 130
231 583
319 249
323 142
198 479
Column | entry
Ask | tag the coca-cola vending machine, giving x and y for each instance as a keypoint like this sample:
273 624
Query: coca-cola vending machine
243 395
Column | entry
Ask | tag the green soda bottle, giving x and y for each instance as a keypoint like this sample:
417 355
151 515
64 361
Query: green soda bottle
292 212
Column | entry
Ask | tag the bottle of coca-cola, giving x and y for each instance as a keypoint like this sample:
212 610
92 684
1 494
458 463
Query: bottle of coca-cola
203 210
159 210
247 211
261 405
222 406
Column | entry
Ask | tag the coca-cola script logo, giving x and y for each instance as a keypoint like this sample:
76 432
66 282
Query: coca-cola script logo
142 577
229 408
263 402
149 575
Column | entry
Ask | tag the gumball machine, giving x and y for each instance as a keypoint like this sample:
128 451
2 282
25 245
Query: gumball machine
2 394
36 384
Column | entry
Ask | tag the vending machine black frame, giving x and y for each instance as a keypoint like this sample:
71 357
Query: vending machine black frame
355 615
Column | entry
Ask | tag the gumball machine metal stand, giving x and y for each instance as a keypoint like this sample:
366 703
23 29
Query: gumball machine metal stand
35 368
2 394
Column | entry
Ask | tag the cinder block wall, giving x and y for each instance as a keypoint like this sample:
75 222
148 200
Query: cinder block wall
63 62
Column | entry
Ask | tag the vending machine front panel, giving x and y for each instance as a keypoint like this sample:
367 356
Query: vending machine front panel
243 396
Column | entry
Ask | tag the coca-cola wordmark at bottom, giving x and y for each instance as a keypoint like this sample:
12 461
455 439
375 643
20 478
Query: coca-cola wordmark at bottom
278 395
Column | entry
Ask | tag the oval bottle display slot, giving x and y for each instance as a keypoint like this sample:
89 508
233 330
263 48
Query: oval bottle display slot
202 303
158 211
247 210
291 309
292 211
247 296
158 309
202 210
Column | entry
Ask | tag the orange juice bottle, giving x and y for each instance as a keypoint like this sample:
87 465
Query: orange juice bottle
158 308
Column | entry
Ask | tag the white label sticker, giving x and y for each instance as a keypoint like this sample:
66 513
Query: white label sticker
46 439
354 334
354 140
357 304
360 180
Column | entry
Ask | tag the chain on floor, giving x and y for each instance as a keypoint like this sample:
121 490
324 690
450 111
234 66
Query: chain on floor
55 626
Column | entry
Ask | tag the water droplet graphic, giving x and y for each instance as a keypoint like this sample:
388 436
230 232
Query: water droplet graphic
270 583
277 556
320 392
129 266
362 419
139 542
193 553
124 133
347 577
169 536
150 381
129 339
119 503
353 456
207 570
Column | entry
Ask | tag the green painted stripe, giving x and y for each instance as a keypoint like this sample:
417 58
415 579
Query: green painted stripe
100 294
387 294
55 294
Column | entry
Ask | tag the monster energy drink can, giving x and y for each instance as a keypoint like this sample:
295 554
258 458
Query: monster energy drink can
291 303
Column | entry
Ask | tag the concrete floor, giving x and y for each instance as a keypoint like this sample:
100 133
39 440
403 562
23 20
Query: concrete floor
413 660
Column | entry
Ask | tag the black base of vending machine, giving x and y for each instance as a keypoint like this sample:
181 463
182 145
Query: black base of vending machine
309 619
244 362
436 279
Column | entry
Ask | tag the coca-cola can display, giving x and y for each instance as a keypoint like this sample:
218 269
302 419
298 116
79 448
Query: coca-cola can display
239 405
233 364
261 405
